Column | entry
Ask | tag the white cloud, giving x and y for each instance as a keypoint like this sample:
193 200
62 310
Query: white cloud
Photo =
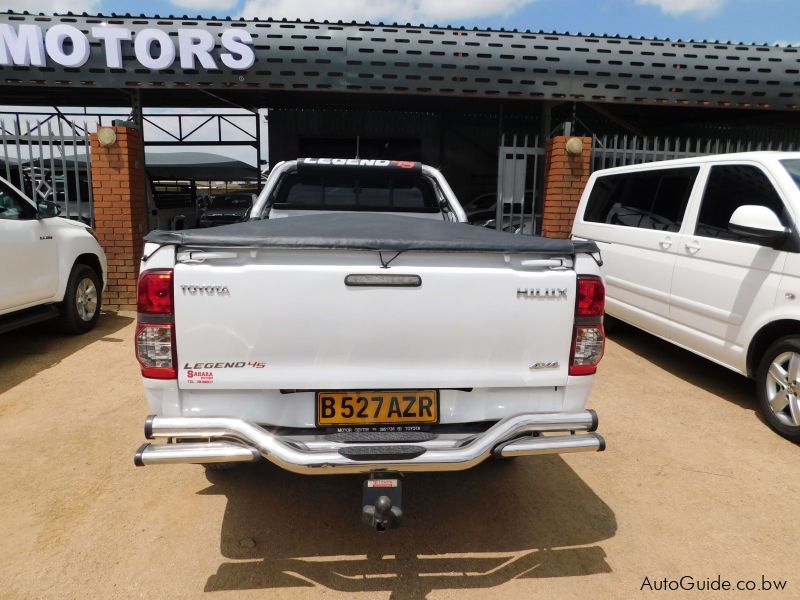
52 6
701 8
218 5
401 11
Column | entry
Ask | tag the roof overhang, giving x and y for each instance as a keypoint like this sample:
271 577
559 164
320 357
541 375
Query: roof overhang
278 63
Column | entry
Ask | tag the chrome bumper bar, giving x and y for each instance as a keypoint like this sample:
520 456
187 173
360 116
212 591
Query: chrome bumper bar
236 440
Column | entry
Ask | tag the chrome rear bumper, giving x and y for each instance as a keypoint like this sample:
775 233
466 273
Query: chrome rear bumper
236 440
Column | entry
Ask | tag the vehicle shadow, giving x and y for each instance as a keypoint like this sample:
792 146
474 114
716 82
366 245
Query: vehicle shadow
711 377
27 351
477 529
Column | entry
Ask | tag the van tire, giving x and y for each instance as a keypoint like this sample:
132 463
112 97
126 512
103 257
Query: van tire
778 356
76 316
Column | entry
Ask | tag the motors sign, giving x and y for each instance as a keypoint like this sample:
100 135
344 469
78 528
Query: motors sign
194 48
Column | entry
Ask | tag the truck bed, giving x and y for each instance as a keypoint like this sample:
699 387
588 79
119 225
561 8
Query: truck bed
367 231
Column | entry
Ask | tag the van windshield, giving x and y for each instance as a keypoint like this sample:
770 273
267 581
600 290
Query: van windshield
792 165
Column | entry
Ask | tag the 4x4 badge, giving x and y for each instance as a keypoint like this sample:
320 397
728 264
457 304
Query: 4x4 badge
550 364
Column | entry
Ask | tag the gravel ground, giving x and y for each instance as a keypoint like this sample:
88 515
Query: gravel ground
693 484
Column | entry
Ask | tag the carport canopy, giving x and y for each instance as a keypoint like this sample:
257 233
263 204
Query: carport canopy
200 166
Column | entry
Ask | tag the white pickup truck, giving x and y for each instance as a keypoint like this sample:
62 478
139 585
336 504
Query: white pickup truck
348 340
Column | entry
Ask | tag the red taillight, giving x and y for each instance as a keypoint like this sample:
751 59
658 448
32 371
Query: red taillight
155 329
588 337
591 297
155 292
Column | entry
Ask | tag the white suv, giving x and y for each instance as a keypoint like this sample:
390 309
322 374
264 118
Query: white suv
705 253
50 268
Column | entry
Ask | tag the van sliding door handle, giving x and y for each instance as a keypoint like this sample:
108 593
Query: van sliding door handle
693 246
666 243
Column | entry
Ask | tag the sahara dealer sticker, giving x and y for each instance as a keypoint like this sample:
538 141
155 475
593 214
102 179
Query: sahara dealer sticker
203 372
200 376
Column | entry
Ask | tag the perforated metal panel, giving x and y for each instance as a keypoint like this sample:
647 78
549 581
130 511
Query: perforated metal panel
617 150
419 61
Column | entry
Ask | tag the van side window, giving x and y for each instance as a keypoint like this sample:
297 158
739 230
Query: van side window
14 208
646 199
728 188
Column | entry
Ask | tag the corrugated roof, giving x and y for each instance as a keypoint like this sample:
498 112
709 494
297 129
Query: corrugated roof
395 24
316 62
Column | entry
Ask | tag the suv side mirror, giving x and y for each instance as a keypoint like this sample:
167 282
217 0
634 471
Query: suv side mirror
757 221
47 209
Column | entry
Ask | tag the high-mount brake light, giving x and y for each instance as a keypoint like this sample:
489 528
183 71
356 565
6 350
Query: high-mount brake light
155 328
588 337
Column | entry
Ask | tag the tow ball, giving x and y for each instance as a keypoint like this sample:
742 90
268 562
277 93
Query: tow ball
381 503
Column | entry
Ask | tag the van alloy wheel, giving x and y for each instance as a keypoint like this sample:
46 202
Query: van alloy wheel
783 388
86 299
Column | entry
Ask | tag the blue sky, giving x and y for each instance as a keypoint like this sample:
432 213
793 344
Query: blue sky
759 21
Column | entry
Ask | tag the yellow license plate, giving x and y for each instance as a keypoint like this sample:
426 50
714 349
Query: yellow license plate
377 408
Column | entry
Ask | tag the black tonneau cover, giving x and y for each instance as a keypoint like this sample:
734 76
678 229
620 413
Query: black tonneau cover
353 231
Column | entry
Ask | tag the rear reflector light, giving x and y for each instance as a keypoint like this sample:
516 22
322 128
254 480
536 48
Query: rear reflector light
591 297
155 350
587 349
588 337
155 292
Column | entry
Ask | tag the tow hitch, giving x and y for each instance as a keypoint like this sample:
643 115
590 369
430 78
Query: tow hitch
382 501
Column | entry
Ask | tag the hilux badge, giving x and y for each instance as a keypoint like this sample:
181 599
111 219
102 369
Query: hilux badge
542 292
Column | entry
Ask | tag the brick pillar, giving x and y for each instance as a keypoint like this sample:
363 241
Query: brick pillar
565 176
120 212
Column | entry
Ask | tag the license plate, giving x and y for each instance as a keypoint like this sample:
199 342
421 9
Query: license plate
377 408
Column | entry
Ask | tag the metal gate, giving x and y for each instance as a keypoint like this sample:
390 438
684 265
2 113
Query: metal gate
49 160
47 154
519 172
618 150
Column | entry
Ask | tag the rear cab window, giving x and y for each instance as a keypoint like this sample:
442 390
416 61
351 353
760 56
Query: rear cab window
369 185
654 199
357 191
727 188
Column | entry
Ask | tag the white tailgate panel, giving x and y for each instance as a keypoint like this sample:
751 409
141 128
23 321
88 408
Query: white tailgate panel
464 327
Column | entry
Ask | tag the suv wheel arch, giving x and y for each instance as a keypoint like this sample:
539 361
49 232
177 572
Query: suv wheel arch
91 261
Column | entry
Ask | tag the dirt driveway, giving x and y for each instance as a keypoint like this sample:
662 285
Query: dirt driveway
692 484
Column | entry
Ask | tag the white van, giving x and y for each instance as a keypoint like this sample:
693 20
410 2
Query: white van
705 252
